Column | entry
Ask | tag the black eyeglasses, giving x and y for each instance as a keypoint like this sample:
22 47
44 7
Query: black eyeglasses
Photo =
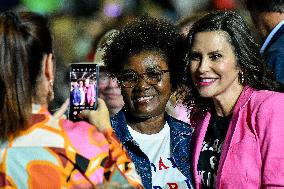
130 78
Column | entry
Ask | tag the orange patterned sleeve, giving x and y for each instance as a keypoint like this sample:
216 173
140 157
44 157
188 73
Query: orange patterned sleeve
120 162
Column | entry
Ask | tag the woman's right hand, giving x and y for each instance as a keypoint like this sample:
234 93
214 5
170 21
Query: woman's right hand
99 117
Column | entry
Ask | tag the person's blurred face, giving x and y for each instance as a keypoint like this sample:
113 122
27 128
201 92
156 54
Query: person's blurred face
87 82
213 65
260 19
81 83
110 92
75 84
143 99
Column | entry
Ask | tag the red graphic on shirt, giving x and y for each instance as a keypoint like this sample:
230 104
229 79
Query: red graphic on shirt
173 185
161 164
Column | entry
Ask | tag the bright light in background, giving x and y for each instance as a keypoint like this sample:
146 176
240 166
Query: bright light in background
42 6
112 9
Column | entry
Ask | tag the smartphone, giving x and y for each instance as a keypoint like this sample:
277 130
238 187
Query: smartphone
84 91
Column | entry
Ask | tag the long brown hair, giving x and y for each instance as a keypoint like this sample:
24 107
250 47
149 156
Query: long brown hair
24 39
256 74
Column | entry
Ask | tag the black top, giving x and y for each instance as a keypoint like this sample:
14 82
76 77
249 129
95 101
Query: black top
211 150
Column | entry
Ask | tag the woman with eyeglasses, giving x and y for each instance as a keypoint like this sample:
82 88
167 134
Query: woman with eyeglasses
144 58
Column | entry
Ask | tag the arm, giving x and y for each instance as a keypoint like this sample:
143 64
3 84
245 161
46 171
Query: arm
118 157
270 125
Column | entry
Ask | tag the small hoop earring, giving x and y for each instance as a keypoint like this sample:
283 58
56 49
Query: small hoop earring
51 91
51 82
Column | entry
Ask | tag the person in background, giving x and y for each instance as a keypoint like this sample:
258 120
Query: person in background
144 57
38 149
186 22
75 94
175 107
82 91
237 107
268 17
91 93
109 90
86 87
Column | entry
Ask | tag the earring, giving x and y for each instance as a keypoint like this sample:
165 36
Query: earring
51 91
242 77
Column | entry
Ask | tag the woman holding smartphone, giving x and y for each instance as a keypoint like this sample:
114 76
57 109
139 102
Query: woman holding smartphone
38 149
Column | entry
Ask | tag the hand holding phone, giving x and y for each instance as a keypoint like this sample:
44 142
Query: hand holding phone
100 118
83 88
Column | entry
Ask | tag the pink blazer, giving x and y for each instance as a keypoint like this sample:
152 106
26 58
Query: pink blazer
91 94
252 154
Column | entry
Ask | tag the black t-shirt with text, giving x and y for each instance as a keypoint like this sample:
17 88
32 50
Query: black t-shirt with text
211 150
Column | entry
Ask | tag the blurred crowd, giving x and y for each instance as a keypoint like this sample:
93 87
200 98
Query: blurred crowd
183 89
78 25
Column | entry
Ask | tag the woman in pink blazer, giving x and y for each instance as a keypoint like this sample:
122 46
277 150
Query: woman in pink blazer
91 92
238 107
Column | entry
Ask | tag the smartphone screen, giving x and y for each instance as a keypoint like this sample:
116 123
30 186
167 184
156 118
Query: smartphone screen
83 88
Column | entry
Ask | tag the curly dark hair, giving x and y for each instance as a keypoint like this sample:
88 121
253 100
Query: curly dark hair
146 34
256 74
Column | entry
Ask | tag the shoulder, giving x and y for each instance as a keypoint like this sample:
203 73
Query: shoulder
118 120
118 116
178 125
258 105
277 39
267 97
275 50
119 126
82 135
266 102
80 128
173 120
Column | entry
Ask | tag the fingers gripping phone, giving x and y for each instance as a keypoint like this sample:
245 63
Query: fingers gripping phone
83 88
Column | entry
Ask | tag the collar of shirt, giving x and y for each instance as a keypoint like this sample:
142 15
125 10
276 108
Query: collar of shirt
270 36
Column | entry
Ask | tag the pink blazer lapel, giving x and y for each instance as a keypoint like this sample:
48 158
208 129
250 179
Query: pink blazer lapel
229 140
198 137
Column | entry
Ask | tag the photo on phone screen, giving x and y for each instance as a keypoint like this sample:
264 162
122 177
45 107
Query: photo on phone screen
83 88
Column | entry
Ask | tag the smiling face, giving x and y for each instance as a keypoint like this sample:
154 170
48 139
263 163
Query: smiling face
213 65
110 92
144 100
